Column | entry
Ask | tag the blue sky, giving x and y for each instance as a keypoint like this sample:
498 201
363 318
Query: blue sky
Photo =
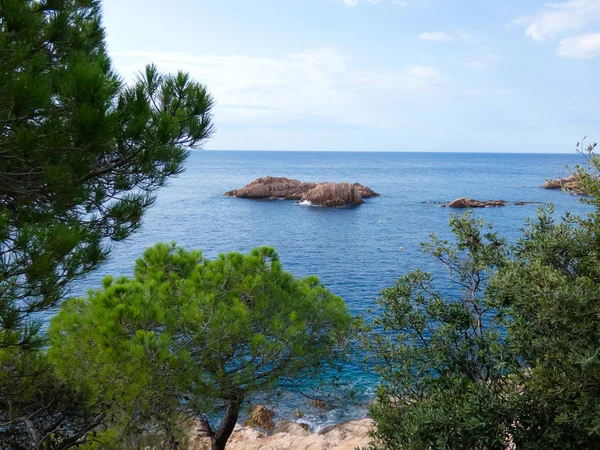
388 75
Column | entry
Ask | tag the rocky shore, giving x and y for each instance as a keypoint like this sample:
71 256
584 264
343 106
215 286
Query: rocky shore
331 195
290 435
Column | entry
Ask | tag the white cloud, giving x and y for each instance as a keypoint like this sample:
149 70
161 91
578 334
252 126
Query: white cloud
322 84
437 36
558 18
583 46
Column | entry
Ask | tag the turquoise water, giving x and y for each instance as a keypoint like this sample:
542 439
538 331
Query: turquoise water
355 252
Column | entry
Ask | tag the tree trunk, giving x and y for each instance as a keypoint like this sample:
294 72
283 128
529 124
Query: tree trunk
33 432
219 439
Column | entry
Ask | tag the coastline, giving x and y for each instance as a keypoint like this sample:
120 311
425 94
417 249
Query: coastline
343 436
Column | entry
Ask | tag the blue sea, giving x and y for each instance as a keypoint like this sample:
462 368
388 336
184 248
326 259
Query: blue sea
356 251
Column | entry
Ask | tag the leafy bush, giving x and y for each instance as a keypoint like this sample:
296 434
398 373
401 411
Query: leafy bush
513 358
441 357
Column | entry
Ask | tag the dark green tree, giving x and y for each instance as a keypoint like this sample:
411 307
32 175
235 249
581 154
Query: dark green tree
550 295
514 359
40 411
81 156
189 337
440 354
81 153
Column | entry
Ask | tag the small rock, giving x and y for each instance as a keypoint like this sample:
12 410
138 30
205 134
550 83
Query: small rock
473 203
316 403
298 413
260 416
297 429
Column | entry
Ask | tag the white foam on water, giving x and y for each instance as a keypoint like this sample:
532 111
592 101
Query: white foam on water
305 203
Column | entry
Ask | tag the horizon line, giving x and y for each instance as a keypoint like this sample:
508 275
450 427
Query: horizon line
389 151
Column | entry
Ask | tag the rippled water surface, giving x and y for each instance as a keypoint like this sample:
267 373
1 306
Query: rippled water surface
356 251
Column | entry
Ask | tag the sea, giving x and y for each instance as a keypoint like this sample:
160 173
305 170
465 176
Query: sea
355 252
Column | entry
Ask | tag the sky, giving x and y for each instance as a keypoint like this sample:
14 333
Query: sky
376 75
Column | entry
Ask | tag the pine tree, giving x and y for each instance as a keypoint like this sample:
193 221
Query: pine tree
81 156
189 337
81 153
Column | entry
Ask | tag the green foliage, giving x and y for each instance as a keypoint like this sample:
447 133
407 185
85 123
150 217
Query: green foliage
192 337
81 156
80 152
43 411
514 358
440 355
587 176
551 293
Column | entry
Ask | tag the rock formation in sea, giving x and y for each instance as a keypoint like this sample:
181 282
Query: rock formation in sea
568 184
273 187
365 191
333 195
473 203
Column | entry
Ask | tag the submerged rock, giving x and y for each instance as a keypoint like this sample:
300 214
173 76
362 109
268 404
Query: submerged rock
316 403
332 195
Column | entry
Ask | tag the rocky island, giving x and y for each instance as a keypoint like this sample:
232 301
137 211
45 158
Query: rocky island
331 195
568 184
473 203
